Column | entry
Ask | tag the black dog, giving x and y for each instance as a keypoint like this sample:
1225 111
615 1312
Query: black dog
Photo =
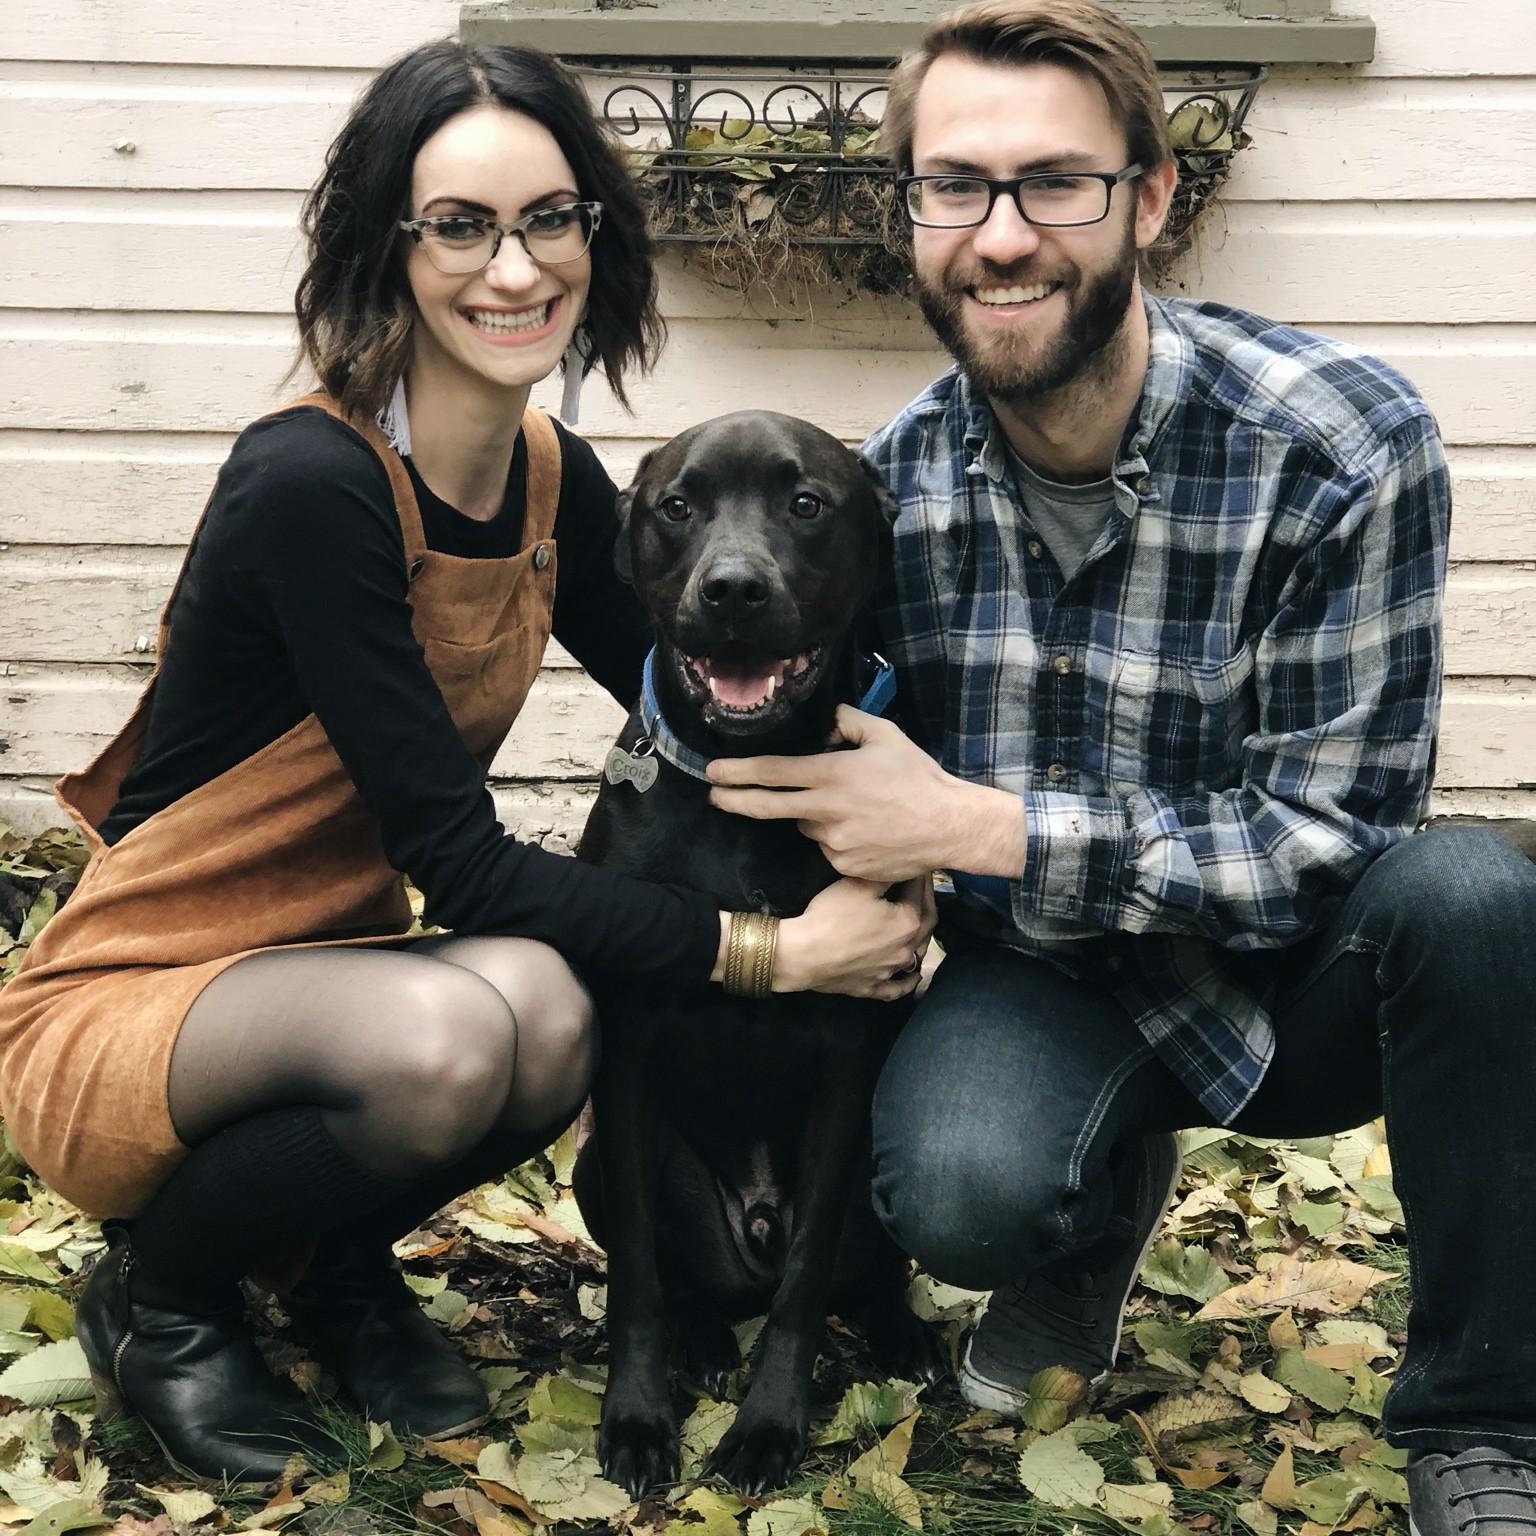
729 1170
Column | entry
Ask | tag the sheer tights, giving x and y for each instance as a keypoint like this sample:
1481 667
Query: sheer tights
350 1093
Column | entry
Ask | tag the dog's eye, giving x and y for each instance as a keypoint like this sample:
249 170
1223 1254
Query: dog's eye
674 508
806 505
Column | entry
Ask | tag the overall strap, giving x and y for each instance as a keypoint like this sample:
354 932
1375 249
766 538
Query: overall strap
399 481
543 449
369 430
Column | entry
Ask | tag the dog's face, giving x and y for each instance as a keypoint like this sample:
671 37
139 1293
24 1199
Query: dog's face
753 541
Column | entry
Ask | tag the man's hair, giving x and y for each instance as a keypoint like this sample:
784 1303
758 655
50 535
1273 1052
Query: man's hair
1076 34
355 308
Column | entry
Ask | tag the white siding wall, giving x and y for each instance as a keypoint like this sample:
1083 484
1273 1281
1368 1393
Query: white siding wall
152 157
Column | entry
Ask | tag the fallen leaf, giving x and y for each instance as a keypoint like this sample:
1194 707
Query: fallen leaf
566 1486
784 1517
71 1515
384 1451
1137 1501
502 1525
1059 1472
1340 1330
888 1455
1260 1392
184 1506
1323 1286
702 1431
52 1373
560 1399
1283 1332
866 1406
1258 1517
1370 1391
272 1514
458 1453
1329 1499
1328 1389
1279 1490
717 1514
1194 1478
1179 1270
897 1497
1053 1395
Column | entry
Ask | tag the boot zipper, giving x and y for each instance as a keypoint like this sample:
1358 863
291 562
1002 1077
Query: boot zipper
127 1338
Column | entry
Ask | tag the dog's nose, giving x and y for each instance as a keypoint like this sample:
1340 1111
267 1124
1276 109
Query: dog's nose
733 588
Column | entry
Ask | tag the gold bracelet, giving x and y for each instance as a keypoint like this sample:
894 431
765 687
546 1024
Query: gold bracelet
768 938
749 954
730 978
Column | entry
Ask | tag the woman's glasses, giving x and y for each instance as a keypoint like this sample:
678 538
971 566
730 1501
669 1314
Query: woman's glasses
460 243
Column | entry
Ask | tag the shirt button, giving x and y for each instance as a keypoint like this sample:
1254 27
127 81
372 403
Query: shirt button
541 557
1036 549
1063 665
1056 773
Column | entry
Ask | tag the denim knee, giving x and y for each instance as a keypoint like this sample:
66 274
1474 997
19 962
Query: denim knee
970 1215
1464 892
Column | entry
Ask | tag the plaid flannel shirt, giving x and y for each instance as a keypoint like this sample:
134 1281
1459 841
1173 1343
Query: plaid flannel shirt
1228 711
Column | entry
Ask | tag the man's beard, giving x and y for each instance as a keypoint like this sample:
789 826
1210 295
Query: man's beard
1013 368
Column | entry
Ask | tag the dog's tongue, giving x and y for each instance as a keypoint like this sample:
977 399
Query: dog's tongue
743 684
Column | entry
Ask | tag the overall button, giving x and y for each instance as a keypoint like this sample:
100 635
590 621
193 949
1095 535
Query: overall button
541 557
1035 548
1056 773
1062 665
417 566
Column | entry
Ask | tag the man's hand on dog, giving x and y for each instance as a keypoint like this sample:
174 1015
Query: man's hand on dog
883 811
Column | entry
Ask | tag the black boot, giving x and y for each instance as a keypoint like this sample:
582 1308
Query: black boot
194 1377
355 1309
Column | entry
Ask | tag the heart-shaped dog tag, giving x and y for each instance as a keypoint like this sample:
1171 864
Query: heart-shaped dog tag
621 767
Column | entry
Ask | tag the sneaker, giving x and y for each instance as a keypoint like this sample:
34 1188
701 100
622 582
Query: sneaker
1069 1313
1487 1492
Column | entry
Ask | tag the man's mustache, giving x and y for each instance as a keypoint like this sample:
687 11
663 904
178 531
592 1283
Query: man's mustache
1003 277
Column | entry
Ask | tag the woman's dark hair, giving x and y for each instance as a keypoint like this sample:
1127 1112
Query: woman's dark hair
354 307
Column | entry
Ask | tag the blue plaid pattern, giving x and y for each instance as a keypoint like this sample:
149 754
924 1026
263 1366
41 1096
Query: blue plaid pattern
1228 711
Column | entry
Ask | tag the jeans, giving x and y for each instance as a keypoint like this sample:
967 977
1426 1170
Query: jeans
1012 1085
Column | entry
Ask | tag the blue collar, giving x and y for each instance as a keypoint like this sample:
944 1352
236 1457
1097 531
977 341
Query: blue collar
662 740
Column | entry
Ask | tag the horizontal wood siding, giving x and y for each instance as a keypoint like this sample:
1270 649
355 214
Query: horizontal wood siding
153 157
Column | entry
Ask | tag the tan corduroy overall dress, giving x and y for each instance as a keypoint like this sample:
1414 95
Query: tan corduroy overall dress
276 852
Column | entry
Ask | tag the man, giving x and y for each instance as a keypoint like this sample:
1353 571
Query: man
1165 607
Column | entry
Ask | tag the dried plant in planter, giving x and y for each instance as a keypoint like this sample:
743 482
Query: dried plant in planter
771 200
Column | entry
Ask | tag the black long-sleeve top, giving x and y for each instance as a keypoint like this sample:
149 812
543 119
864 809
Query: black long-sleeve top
295 602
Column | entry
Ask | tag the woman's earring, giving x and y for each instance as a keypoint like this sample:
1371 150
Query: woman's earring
576 362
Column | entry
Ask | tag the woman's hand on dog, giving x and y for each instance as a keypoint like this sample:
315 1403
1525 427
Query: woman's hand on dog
860 938
884 811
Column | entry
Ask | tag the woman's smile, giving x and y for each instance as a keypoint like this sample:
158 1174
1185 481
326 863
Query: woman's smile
514 327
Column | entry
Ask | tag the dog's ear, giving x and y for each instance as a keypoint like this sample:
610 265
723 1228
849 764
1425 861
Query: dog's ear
885 497
622 567
623 506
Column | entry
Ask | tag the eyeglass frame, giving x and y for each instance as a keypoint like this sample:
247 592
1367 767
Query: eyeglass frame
518 227
1012 185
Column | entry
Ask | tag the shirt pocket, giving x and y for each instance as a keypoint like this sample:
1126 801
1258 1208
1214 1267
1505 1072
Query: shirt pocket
1179 724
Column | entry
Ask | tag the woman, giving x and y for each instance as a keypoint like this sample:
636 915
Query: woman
222 1036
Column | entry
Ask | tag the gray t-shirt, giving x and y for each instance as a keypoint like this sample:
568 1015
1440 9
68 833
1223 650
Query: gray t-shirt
1068 517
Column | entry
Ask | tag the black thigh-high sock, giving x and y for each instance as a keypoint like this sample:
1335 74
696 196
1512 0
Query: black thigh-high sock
245 1194
494 1155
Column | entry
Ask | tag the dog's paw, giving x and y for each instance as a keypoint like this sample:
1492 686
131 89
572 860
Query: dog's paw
638 1451
758 1453
706 1352
904 1347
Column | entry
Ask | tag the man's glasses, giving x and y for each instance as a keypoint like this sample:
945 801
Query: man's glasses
1053 200
460 243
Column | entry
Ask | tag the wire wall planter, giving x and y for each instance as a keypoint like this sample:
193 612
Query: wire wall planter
781 175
